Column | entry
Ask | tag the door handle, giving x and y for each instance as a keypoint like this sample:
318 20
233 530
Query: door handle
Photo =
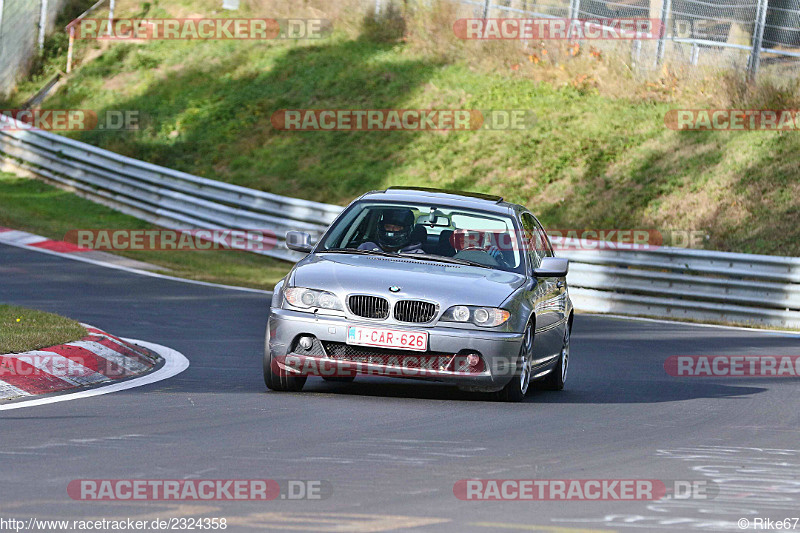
560 284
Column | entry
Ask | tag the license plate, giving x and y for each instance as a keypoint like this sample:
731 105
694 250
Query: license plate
388 338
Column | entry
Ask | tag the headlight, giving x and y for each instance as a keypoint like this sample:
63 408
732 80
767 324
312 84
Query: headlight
306 298
480 316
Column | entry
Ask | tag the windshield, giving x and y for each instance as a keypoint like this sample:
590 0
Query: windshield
432 232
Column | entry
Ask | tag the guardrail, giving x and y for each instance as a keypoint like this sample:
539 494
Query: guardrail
159 195
688 284
665 282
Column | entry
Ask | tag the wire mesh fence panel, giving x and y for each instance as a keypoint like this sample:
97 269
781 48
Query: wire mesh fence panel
713 33
781 39
531 8
724 34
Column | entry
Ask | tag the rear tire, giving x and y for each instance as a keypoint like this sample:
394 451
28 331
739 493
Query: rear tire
555 380
277 379
516 389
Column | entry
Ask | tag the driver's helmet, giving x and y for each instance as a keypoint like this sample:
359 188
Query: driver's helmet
401 217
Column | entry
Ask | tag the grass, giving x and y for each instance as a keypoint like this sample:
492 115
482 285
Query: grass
24 329
39 208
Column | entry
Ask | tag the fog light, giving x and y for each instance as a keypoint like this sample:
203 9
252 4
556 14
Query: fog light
473 359
306 343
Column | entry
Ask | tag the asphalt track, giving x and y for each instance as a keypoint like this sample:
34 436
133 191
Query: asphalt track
392 450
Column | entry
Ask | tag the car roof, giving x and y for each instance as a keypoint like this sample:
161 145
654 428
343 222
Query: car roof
442 197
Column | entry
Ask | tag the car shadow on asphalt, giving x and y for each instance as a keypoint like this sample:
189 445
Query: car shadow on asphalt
622 392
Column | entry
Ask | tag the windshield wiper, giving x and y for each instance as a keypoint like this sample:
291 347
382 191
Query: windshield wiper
360 252
444 259
411 255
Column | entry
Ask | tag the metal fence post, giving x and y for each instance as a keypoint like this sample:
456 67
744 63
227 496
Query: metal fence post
42 23
2 6
758 39
574 13
71 49
666 11
485 9
574 9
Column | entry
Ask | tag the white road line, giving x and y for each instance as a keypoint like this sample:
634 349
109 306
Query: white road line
77 257
780 332
174 363
22 238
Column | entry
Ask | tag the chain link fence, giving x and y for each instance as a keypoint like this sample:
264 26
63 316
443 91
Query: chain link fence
740 34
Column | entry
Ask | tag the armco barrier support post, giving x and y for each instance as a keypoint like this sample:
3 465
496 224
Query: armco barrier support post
71 49
111 16
42 24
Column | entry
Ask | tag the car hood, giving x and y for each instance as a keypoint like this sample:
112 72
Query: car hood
447 284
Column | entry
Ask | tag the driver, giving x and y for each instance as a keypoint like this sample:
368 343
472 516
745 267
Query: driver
394 233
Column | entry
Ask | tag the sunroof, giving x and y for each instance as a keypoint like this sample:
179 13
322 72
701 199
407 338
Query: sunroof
490 197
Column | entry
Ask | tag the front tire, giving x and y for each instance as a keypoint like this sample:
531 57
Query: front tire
555 380
276 378
516 389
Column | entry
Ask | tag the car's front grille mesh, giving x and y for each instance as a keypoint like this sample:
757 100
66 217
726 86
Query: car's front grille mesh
369 306
414 311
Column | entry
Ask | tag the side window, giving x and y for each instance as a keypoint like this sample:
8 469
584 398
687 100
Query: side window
534 246
546 248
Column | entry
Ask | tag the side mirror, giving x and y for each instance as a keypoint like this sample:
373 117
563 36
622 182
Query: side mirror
552 267
299 241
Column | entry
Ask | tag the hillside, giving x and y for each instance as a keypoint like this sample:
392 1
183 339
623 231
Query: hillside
598 155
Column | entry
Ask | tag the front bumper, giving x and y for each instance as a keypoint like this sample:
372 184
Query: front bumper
498 351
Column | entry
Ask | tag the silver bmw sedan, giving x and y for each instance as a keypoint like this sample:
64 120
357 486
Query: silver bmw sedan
424 284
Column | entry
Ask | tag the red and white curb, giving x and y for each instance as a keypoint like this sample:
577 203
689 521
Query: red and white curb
23 238
97 359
